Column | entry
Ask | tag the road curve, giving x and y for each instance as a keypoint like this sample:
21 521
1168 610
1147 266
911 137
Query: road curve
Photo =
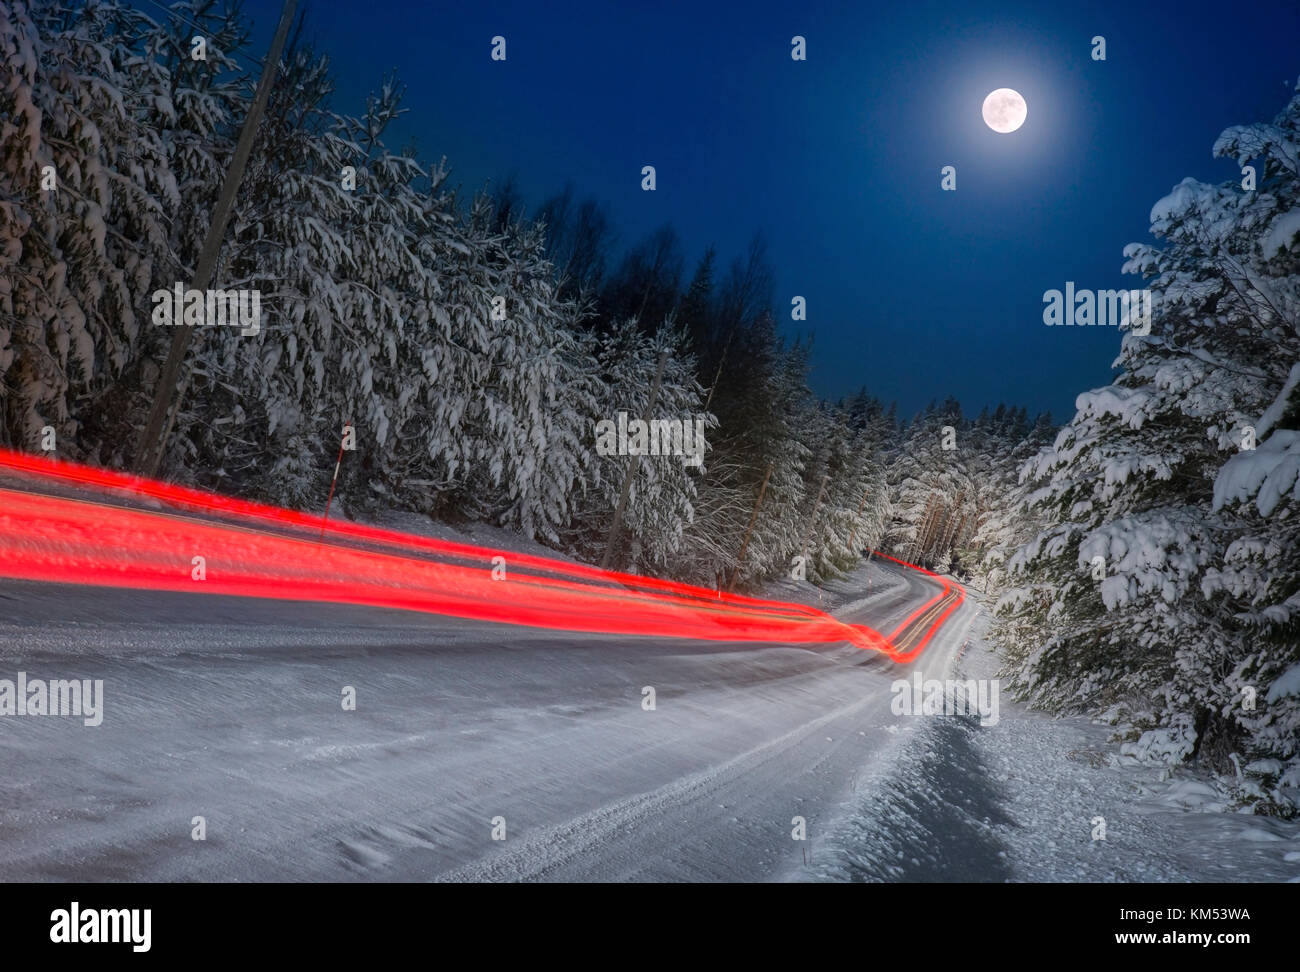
475 750
230 709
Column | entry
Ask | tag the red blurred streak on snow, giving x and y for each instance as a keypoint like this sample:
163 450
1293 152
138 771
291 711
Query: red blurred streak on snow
107 481
946 586
53 539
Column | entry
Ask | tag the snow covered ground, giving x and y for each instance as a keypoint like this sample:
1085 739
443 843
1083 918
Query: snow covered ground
230 710
1019 801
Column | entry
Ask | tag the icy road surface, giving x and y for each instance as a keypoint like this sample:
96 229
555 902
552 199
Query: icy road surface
230 710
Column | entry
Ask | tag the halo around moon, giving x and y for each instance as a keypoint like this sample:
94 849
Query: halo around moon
1004 110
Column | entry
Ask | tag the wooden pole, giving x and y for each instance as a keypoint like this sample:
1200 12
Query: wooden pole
619 510
334 481
151 444
753 517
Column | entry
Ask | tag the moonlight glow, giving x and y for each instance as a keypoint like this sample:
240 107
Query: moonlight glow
1004 110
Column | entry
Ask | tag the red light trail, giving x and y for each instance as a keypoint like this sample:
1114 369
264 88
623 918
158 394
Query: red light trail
254 550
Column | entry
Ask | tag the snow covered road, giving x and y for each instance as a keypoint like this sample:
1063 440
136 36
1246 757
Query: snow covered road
230 709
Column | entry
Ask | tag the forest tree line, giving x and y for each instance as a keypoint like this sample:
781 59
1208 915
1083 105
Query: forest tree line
1144 558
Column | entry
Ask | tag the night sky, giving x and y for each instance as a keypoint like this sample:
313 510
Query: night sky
915 292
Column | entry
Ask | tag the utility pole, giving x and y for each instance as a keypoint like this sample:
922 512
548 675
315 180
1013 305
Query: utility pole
617 528
153 437
753 517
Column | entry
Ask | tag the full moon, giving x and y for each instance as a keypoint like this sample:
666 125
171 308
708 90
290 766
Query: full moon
1004 110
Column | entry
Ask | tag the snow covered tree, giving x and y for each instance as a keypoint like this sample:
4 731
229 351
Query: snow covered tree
762 391
932 487
1152 590
660 514
88 185
1002 441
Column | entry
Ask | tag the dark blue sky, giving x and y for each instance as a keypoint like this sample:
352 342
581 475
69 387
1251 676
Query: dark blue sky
914 292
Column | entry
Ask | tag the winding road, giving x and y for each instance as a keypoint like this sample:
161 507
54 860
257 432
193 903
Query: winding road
476 750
